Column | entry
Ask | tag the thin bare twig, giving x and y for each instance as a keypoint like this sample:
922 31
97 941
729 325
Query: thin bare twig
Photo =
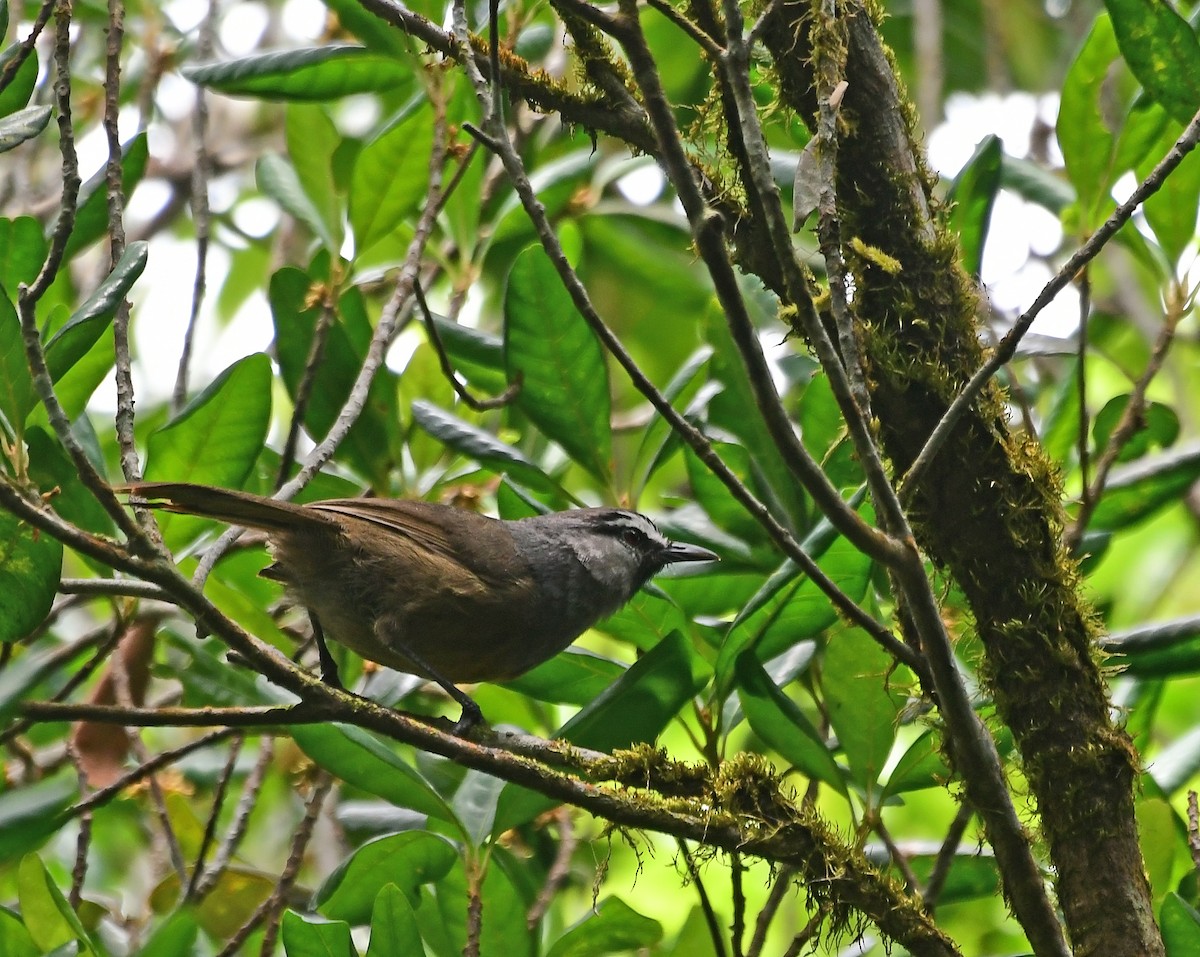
210 825
201 173
439 347
1085 309
762 923
558 871
28 296
312 365
706 907
945 857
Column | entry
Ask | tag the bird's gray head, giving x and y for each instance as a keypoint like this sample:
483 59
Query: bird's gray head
604 555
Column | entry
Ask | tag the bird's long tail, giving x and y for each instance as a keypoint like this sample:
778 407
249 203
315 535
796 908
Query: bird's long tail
226 505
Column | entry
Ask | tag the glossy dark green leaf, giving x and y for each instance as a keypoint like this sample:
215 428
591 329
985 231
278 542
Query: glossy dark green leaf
72 341
405 860
1136 491
479 445
1084 131
23 125
1161 49
15 96
308 74
17 397
778 720
215 439
1160 427
394 931
362 760
1180 924
391 176
861 705
573 677
30 814
307 937
91 221
30 569
973 194
634 709
613 928
565 390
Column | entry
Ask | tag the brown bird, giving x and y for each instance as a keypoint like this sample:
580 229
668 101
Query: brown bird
437 591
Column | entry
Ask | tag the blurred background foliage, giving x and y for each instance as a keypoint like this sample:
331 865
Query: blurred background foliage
303 198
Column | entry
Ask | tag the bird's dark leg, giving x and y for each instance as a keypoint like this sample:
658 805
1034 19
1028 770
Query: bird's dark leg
471 715
329 668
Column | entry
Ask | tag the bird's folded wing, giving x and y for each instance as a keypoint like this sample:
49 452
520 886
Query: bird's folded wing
409 519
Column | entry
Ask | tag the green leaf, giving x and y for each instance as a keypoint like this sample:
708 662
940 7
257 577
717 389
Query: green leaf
303 937
175 937
32 813
15 939
277 178
1171 211
973 194
1136 491
475 804
1084 131
308 74
1160 427
312 141
394 931
861 708
1180 923
788 608
20 86
778 720
504 932
391 176
49 917
71 342
375 33
23 125
479 445
565 390
215 439
30 569
91 221
51 468
573 677
614 928
405 860
1161 49
921 766
360 759
17 397
22 249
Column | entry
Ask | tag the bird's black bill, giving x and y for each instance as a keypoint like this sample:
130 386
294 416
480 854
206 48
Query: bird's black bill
686 552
